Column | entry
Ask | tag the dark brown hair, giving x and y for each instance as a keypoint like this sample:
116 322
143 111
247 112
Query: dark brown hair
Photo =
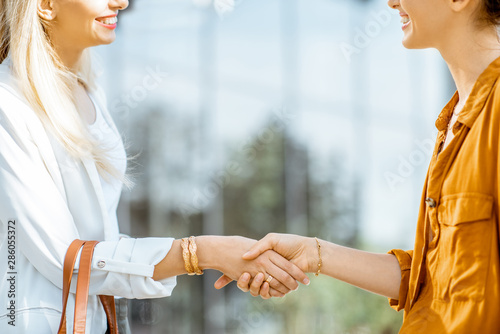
491 12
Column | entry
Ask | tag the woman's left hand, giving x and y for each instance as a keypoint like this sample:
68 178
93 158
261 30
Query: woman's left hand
292 247
270 264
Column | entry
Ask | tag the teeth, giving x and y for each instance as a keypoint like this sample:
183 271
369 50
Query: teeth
405 19
109 20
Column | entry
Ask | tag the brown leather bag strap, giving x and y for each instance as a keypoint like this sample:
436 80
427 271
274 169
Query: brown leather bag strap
69 265
108 302
82 288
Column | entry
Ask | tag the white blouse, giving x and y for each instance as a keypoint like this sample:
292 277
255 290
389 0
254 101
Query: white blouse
47 200
108 138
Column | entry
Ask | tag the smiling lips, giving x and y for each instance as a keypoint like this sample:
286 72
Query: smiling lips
108 21
405 19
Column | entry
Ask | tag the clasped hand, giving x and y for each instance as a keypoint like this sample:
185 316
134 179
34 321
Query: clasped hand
283 257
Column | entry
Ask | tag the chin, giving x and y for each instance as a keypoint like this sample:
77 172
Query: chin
411 43
408 45
107 41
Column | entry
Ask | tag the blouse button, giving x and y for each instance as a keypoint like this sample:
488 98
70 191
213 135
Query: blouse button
431 202
101 264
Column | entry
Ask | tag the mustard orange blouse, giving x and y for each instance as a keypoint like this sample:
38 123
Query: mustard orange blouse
450 281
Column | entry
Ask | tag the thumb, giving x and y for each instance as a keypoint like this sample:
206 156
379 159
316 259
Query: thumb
260 247
222 282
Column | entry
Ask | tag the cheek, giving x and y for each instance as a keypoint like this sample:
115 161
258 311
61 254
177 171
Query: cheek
73 29
77 27
413 9
78 15
426 15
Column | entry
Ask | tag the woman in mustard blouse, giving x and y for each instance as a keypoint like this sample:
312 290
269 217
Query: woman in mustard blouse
450 282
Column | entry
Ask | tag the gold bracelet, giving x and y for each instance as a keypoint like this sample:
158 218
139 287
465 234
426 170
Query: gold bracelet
320 262
186 257
194 257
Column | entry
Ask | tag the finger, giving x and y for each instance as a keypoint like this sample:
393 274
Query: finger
276 293
270 277
244 282
260 247
222 282
282 281
264 291
256 284
275 283
287 266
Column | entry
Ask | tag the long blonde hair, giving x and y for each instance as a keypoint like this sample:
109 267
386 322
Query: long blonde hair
47 84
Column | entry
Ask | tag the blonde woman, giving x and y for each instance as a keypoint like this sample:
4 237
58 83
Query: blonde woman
450 281
60 182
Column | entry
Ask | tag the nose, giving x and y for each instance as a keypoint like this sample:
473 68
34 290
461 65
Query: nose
393 3
118 4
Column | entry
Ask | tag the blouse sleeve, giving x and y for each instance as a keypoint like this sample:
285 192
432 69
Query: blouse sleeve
45 227
404 259
125 268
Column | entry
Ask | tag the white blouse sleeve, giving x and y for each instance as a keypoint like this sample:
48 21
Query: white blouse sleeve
124 268
45 226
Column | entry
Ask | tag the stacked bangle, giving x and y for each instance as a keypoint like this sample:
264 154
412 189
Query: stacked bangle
189 255
194 258
186 256
320 262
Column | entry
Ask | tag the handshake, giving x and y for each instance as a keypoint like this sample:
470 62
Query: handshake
271 267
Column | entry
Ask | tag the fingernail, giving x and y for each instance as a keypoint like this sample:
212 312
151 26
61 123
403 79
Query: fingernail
246 254
306 281
296 289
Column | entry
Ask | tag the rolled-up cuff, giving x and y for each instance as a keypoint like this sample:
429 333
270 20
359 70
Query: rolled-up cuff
404 258
129 267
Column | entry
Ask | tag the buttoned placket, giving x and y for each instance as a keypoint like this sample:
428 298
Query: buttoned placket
438 169
442 160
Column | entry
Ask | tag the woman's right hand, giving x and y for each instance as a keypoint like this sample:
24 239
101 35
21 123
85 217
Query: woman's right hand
225 254
301 251
377 273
